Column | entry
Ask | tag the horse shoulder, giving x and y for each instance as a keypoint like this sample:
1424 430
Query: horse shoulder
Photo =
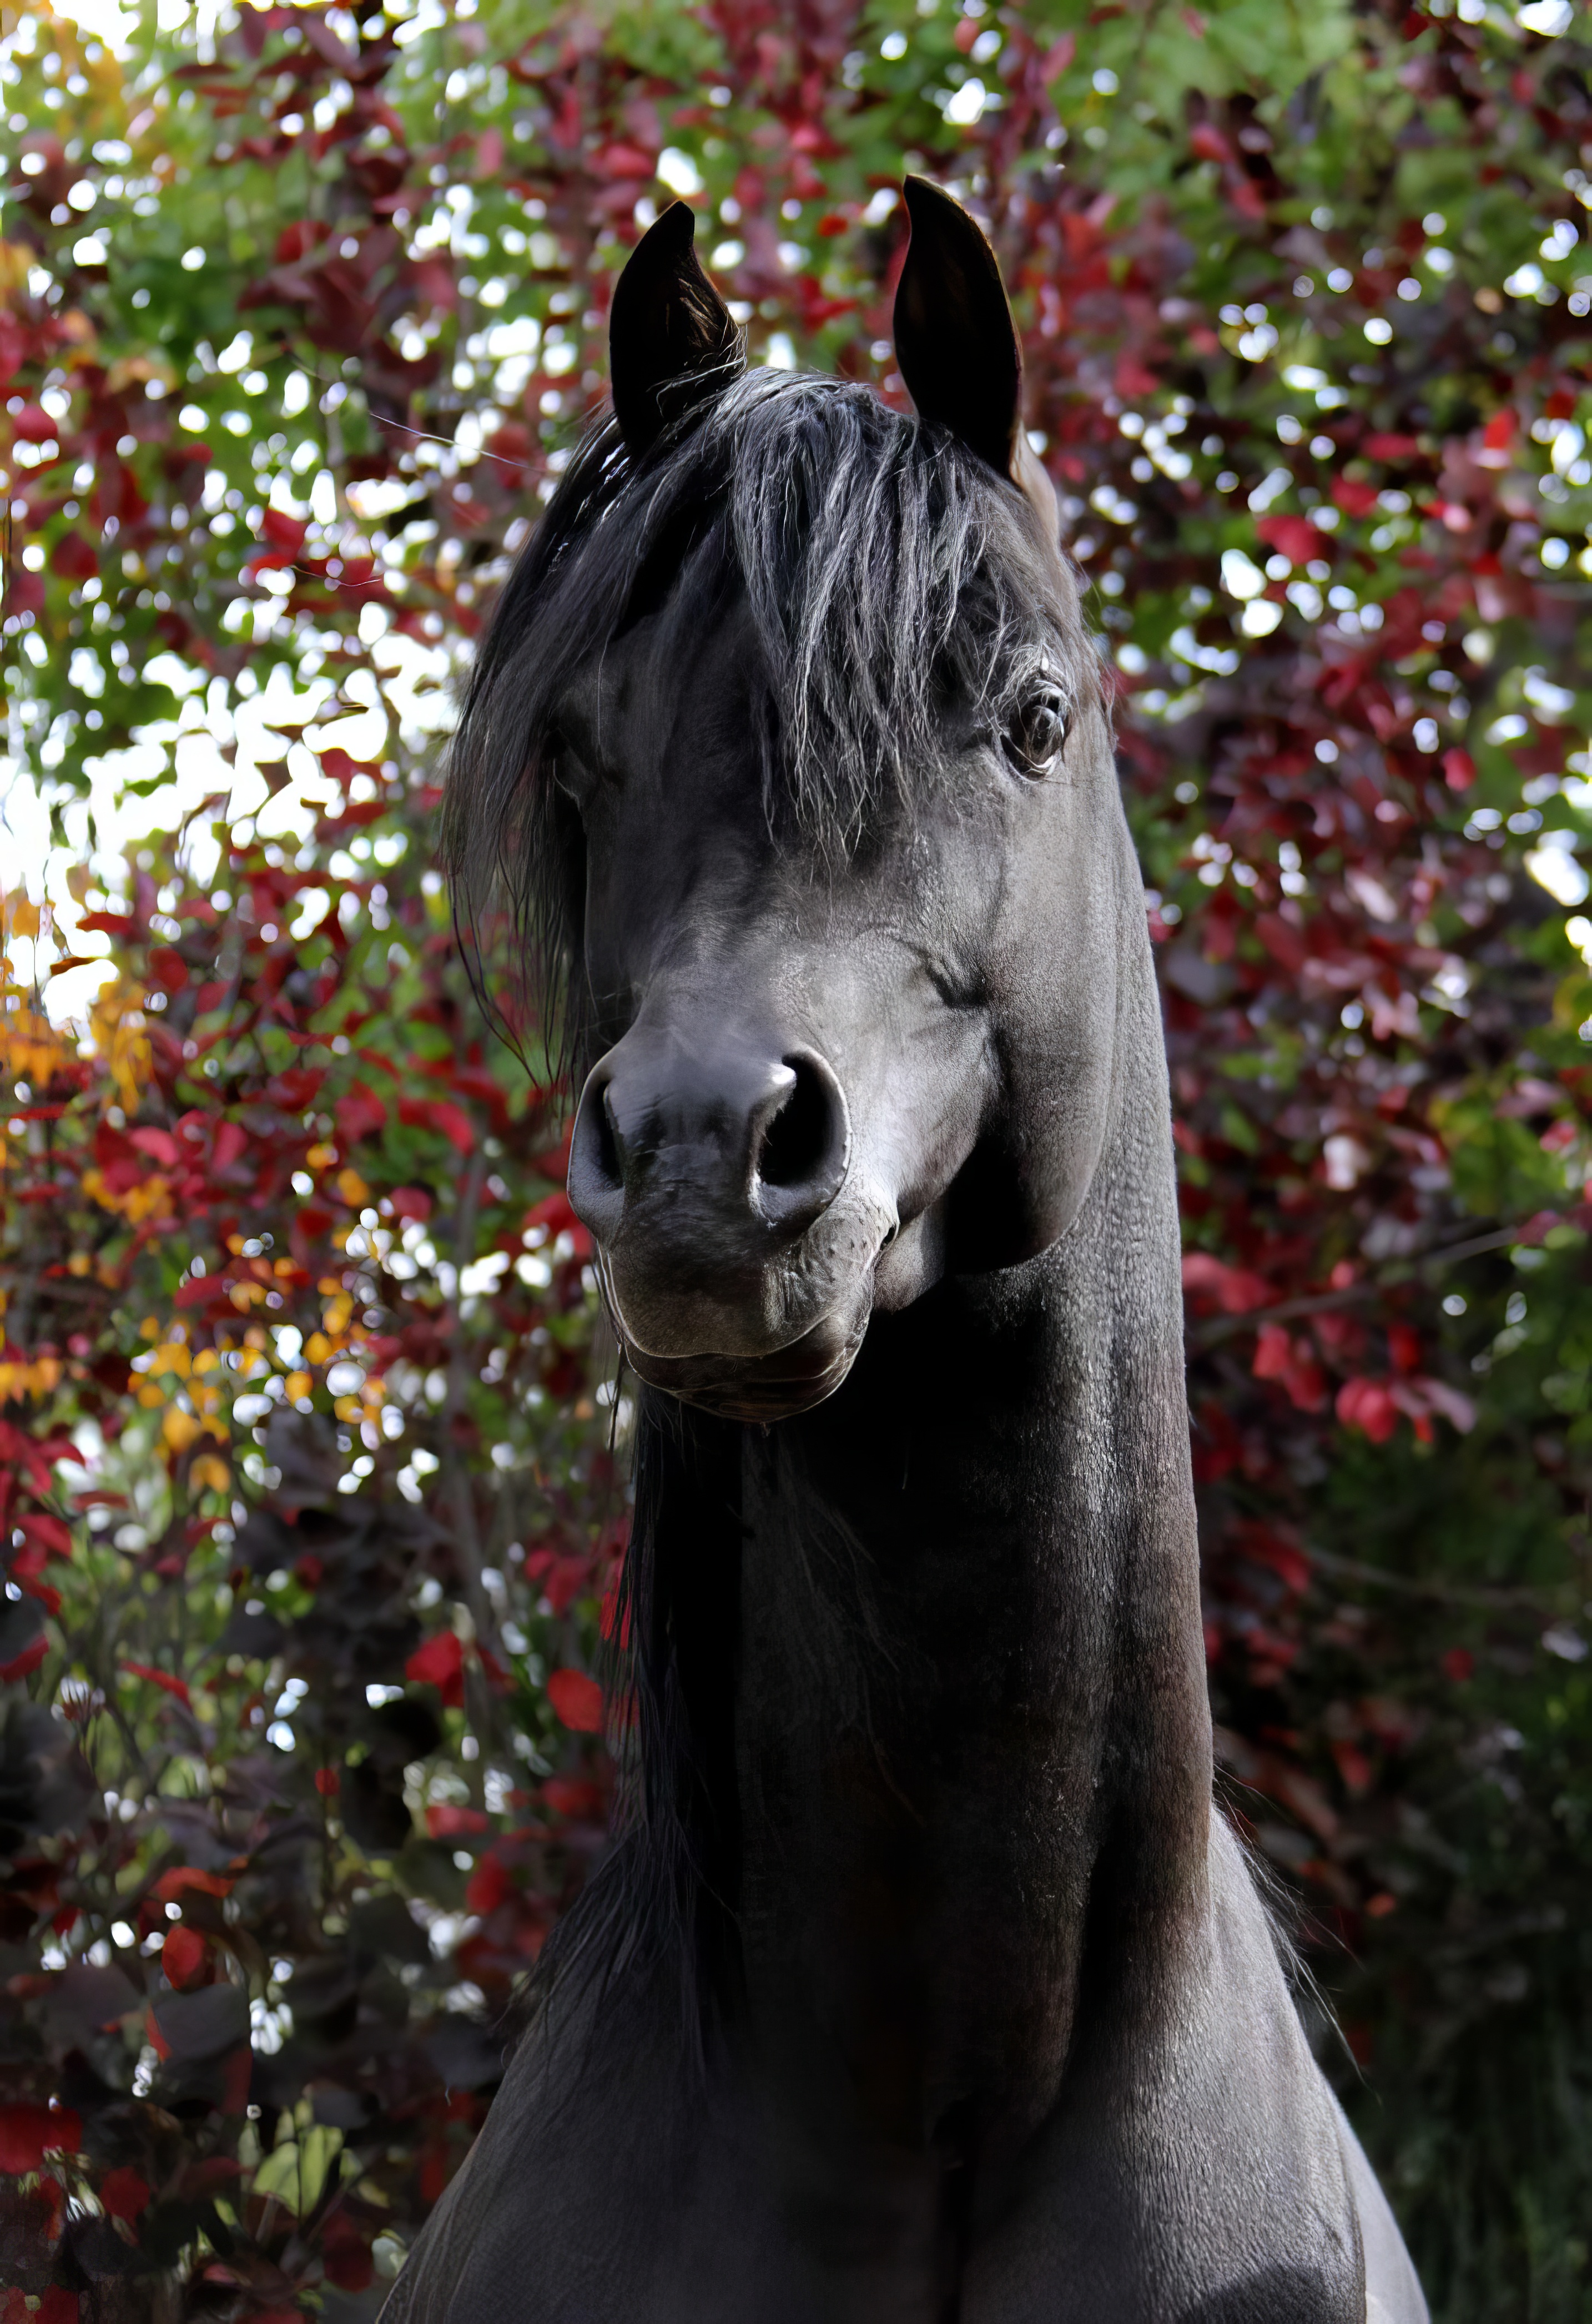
1194 2169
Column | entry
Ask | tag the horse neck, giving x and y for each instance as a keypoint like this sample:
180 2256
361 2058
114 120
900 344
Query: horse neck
970 1740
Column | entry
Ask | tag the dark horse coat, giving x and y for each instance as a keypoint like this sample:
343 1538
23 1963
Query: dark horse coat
923 1982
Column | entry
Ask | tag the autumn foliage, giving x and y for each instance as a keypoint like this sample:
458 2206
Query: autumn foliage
311 1502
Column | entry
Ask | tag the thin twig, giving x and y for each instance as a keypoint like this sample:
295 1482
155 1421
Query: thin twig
460 1496
1319 1303
1448 1593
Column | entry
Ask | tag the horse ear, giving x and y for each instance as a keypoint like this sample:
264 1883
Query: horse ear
956 344
672 342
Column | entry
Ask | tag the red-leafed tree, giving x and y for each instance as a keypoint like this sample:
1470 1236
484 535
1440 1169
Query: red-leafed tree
310 1502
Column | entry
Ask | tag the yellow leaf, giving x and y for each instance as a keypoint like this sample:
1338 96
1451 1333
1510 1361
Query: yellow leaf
15 258
299 1385
121 1035
209 1474
179 1428
317 1348
23 917
353 1189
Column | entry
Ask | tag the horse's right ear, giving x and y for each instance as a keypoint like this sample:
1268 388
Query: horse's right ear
672 342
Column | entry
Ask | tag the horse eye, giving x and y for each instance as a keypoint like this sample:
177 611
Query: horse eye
1033 741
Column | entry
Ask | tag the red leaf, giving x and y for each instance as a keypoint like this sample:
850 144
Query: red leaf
169 1887
347 2254
487 1885
29 2133
73 558
1353 497
439 1663
1458 1663
577 1700
184 1956
1459 770
575 1796
232 1143
1235 1290
296 241
167 968
444 1821
359 1115
1282 940
1297 541
30 1658
1367 1404
410 1202
159 1145
1207 141
625 161
164 1679
49 1533
1353 1767
454 1123
124 2194
283 532
33 424
555 1213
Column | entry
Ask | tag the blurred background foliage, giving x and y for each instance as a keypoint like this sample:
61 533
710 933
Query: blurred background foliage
312 1477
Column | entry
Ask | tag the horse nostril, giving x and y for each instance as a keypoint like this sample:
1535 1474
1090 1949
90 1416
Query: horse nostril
606 1142
801 1158
596 1171
797 1140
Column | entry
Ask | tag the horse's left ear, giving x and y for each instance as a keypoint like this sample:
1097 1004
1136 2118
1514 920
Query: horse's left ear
956 344
672 342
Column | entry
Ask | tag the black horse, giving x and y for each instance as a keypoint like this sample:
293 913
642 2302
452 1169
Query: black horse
923 1982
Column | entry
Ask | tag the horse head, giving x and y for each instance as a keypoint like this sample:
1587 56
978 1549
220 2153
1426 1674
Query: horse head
788 744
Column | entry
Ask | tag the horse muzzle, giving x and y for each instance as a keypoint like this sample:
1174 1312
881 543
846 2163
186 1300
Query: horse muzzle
713 1179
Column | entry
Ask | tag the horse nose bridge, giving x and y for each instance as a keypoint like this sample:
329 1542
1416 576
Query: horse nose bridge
706 1138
